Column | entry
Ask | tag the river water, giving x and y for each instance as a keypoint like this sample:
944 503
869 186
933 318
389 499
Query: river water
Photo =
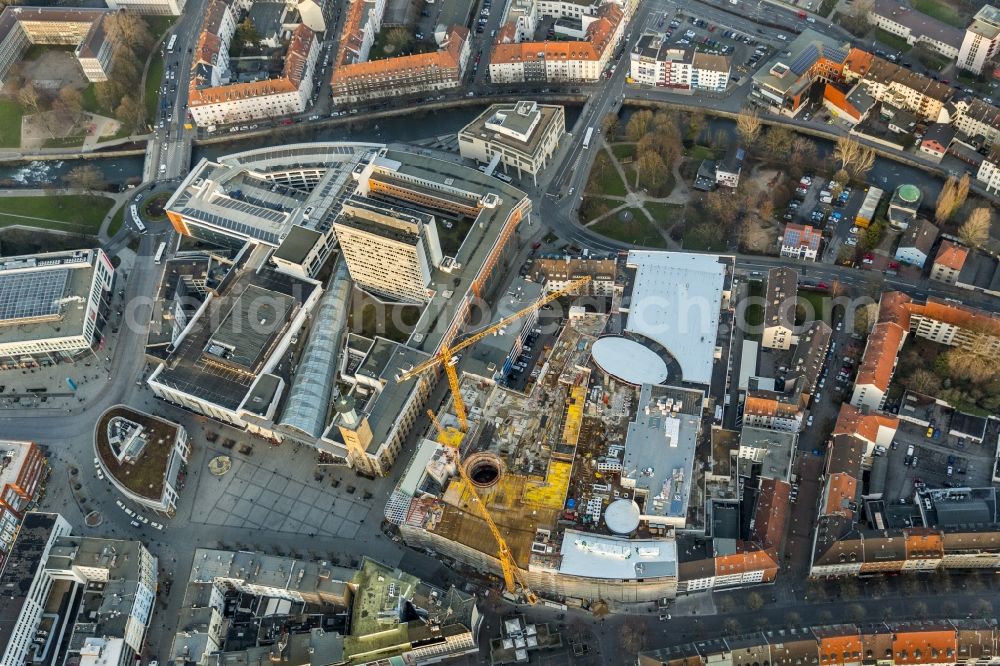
427 125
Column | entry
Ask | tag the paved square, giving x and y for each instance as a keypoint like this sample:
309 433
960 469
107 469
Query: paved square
282 499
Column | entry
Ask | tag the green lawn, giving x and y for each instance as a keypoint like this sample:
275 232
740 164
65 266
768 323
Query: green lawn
604 178
10 123
154 78
79 213
593 207
703 236
942 10
892 41
700 152
665 214
159 24
817 304
117 221
637 230
64 142
624 150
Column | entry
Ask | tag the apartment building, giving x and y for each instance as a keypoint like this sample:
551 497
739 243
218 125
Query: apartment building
948 262
26 584
150 7
917 28
23 468
561 61
905 89
213 94
989 171
801 241
391 77
116 583
977 120
923 643
84 29
981 41
53 306
936 320
557 272
390 251
522 136
654 62
780 299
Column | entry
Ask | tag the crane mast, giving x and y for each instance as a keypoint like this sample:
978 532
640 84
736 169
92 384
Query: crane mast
452 437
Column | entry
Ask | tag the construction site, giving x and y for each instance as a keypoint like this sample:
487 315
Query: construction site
574 488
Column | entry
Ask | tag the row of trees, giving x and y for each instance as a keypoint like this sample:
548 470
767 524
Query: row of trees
121 93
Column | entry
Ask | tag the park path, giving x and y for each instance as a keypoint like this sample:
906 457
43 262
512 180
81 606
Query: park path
678 197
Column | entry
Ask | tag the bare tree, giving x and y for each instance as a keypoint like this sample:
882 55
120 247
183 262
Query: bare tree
945 205
975 231
130 30
748 126
109 94
695 124
854 158
29 97
864 163
639 124
777 142
754 601
653 172
961 192
610 126
86 177
69 106
131 112
632 636
803 153
923 381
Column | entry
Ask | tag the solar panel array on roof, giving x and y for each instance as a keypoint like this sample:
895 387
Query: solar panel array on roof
226 223
805 60
32 295
836 55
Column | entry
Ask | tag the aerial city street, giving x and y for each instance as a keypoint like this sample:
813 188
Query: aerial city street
403 332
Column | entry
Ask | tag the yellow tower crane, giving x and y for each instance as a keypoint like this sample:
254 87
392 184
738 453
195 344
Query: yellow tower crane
453 438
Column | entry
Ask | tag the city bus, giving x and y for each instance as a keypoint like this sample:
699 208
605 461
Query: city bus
159 253
135 218
586 137
172 43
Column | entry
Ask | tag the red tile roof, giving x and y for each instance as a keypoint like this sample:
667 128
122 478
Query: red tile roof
840 490
951 255
924 647
416 64
771 513
851 421
598 39
880 355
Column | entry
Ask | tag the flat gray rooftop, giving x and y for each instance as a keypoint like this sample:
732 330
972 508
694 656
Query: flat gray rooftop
660 447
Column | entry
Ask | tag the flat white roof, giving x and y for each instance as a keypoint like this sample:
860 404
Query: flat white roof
629 361
676 299
598 556
748 363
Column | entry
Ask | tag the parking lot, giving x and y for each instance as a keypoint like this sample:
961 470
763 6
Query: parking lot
934 455
686 30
